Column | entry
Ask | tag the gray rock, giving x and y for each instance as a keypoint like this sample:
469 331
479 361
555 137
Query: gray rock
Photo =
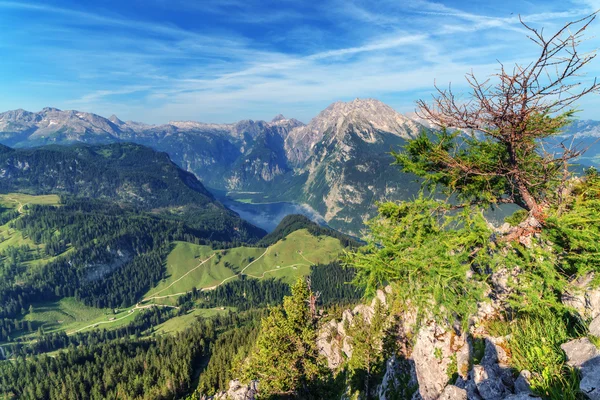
463 359
432 355
583 354
452 392
584 297
238 391
365 311
470 387
595 327
329 345
494 352
590 381
579 352
522 382
521 396
489 382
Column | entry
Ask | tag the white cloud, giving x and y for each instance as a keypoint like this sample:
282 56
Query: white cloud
174 73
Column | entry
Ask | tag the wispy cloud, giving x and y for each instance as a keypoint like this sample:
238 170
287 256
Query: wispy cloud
227 60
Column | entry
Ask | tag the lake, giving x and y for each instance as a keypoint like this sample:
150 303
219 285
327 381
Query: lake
268 215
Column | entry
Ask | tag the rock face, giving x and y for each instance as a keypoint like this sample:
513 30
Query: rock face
433 354
452 392
333 339
363 116
583 354
339 164
440 363
238 391
584 297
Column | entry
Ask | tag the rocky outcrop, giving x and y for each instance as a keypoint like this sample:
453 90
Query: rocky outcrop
439 364
333 340
452 392
584 297
237 391
434 353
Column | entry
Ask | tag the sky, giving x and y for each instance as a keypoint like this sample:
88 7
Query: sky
226 60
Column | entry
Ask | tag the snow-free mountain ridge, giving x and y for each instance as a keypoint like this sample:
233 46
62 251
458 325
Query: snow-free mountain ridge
338 163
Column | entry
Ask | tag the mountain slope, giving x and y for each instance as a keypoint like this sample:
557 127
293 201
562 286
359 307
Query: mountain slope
335 163
338 164
346 160
127 173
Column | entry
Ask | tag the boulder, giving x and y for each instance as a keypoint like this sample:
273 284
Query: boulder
522 384
432 354
521 396
489 382
452 392
579 352
583 354
595 327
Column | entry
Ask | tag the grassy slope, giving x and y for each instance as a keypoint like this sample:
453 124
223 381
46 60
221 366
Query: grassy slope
15 200
70 315
287 259
292 257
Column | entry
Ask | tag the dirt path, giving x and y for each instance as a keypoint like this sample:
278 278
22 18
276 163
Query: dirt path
152 296
130 313
238 274
302 255
276 269
21 205
103 322
138 306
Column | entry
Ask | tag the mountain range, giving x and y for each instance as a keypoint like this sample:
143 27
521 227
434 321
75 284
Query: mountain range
338 163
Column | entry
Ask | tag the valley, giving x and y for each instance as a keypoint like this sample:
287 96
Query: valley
187 267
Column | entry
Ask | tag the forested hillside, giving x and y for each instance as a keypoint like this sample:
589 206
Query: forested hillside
130 174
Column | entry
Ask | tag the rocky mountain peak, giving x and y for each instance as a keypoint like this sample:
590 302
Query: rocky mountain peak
115 120
50 109
278 117
365 116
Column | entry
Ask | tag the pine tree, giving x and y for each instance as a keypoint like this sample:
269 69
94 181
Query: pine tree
285 359
368 353
504 147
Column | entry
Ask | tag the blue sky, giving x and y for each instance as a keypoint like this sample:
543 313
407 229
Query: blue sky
226 60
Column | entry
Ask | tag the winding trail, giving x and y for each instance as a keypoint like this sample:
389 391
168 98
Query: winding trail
129 313
152 296
236 275
310 262
276 269
21 205
139 305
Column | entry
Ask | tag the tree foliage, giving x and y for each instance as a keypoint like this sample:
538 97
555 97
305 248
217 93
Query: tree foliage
501 150
286 359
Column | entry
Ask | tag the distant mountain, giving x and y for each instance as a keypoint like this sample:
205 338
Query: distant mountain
585 135
339 163
343 156
221 155
130 174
